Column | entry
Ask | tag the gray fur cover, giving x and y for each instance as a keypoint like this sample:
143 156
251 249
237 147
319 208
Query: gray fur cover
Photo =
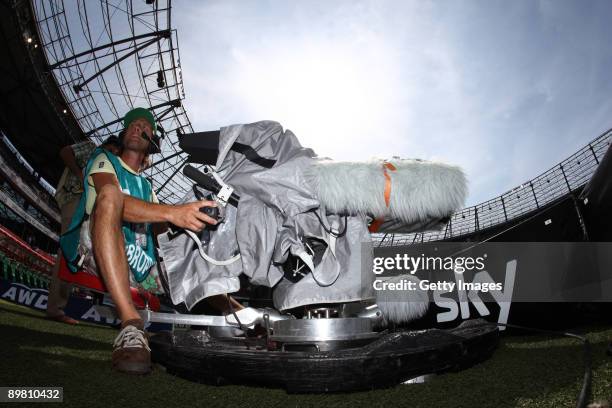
419 189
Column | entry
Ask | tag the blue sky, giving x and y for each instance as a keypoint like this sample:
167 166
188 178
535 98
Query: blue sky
504 89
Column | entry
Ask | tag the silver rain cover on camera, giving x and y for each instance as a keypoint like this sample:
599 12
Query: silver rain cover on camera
277 217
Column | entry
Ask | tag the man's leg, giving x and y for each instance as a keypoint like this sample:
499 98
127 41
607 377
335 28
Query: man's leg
109 250
131 352
59 291
58 295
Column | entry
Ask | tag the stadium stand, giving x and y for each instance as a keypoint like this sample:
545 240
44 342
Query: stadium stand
22 264
26 182
27 207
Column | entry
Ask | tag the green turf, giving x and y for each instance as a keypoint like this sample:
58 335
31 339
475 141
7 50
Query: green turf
526 371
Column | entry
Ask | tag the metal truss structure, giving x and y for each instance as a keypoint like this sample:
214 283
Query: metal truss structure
567 176
109 56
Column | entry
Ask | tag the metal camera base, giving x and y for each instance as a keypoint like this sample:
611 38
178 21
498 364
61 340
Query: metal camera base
319 366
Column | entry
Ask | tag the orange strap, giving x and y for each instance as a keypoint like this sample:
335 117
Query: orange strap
391 167
375 225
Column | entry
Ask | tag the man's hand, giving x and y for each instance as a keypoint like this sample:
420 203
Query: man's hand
135 210
189 215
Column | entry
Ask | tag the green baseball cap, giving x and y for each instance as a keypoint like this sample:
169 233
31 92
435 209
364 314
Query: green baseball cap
138 113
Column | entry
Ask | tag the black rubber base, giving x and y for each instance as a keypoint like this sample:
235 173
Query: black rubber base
389 360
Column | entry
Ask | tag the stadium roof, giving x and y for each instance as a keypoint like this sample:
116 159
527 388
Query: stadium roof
36 127
86 65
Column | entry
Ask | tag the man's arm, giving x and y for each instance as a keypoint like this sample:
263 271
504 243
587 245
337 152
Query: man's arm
69 159
138 211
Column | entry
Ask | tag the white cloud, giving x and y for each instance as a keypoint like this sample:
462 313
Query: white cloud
504 90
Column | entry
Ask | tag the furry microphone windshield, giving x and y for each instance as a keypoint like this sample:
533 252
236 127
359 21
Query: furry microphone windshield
402 306
406 189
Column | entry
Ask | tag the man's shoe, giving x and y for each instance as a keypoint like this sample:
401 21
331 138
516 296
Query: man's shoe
62 319
131 352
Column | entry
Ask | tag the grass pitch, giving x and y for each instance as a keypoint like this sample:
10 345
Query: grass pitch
525 371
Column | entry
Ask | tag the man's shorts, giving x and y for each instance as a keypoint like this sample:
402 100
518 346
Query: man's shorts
87 263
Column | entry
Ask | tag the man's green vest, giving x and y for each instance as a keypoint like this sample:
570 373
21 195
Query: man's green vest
139 246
